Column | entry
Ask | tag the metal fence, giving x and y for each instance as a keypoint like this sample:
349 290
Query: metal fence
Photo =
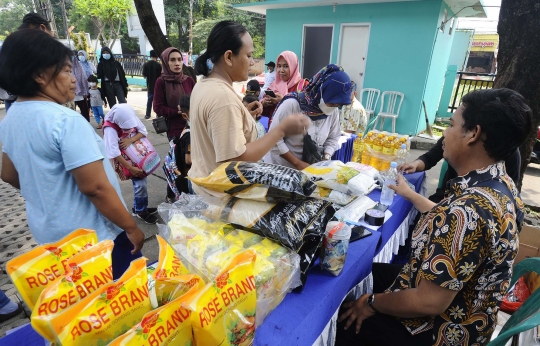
132 63
467 82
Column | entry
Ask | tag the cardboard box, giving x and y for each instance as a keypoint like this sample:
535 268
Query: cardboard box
529 243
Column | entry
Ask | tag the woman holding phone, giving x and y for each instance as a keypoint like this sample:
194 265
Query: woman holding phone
288 80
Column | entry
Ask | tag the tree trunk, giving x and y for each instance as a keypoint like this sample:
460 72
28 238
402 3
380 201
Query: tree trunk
150 26
519 62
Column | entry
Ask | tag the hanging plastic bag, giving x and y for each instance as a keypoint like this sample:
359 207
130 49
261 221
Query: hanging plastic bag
258 181
87 272
311 151
108 312
33 271
515 297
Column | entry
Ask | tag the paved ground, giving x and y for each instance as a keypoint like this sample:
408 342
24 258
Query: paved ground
15 237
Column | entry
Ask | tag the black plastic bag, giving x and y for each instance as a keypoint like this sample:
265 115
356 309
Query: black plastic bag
311 152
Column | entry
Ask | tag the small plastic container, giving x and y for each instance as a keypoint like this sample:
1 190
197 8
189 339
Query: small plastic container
335 246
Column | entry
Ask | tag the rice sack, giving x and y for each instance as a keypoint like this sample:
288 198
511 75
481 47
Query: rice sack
108 312
331 175
258 181
166 325
33 271
87 271
224 311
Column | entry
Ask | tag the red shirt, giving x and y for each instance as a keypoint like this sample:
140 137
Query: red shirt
176 122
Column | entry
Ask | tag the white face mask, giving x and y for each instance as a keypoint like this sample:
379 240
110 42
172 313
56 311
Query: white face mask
92 84
324 108
82 58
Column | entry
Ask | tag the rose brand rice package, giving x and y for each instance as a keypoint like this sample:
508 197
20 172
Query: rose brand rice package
258 181
108 312
87 271
224 310
33 271
167 325
171 278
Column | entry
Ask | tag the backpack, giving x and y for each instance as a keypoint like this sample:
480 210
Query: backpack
141 154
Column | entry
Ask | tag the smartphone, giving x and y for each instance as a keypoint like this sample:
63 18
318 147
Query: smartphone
270 93
359 232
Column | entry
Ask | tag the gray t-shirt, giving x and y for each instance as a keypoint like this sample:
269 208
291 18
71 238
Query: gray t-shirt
95 98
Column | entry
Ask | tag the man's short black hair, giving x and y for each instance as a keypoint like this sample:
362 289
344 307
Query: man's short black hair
249 98
32 20
153 54
92 79
25 54
503 116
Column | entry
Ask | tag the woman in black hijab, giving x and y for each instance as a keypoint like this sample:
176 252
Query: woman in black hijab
113 78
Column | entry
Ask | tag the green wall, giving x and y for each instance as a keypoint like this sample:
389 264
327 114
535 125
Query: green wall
437 69
401 42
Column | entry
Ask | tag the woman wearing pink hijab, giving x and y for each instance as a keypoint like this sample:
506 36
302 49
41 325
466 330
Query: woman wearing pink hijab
288 80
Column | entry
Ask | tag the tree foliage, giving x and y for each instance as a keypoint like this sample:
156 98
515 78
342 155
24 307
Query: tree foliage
517 61
107 15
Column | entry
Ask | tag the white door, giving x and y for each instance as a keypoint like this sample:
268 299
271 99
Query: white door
353 46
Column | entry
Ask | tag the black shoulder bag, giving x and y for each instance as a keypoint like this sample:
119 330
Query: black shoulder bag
161 123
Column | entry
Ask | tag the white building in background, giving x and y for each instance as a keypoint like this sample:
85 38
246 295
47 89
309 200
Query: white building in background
135 28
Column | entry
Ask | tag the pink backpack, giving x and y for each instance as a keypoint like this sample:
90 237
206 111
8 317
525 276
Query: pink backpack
140 154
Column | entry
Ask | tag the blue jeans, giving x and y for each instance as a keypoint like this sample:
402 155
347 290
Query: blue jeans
98 114
149 105
140 194
4 300
8 104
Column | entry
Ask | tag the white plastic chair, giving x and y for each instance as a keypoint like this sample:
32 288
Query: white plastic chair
371 100
390 111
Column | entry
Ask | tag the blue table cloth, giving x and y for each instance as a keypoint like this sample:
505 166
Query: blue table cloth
301 317
345 153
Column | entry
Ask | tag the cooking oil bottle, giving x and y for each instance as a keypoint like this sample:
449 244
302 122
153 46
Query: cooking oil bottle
368 145
358 148
388 153
375 160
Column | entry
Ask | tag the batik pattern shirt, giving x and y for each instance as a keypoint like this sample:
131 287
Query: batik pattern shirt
466 243
353 117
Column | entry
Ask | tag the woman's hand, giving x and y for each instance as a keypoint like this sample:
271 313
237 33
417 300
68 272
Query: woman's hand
126 142
255 108
300 165
294 124
136 237
136 171
402 188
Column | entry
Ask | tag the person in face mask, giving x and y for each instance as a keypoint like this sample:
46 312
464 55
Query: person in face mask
329 89
88 66
113 77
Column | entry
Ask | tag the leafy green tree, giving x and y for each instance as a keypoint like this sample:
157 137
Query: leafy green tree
11 14
107 16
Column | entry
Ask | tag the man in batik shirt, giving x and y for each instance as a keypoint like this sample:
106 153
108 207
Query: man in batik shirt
463 248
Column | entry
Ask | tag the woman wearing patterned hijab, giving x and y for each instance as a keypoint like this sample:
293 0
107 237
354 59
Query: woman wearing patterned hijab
326 91
88 66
